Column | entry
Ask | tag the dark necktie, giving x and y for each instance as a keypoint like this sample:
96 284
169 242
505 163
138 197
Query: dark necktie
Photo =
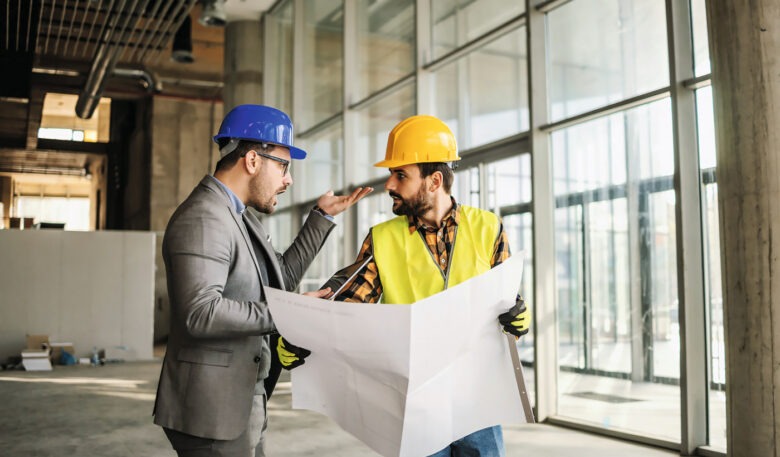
262 259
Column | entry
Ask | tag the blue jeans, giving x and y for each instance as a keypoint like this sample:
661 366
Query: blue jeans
488 442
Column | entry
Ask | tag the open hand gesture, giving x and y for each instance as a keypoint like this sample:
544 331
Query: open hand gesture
335 204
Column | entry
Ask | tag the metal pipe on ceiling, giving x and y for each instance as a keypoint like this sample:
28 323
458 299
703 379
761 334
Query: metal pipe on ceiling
81 29
185 12
182 9
18 21
113 46
92 28
102 65
8 25
103 25
163 14
70 28
59 31
29 26
48 33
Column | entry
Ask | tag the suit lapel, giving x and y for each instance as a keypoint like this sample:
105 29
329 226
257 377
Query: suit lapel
210 182
242 227
258 233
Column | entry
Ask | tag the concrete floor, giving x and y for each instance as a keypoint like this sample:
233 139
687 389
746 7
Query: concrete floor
106 411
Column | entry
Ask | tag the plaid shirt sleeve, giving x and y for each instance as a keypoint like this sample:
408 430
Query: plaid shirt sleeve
500 248
365 287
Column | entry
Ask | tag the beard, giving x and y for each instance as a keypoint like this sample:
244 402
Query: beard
415 206
261 197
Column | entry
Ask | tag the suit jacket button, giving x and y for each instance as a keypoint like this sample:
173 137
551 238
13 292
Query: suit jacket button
257 359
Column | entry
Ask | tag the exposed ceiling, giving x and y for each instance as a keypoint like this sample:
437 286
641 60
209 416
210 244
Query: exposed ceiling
113 48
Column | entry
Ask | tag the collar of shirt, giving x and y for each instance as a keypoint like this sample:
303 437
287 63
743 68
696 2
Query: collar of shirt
238 205
452 217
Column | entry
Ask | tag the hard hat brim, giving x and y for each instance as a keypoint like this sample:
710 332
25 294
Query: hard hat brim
400 163
295 153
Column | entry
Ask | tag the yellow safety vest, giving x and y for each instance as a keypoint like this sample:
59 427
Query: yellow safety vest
406 266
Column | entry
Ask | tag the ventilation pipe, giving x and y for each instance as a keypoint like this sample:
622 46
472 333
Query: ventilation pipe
106 56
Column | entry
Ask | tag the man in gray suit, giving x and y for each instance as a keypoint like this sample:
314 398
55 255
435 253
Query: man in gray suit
211 399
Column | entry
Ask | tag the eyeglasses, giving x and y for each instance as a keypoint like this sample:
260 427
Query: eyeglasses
285 163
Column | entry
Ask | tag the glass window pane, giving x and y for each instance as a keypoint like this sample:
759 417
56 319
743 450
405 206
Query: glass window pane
374 124
323 51
322 169
713 293
372 210
604 51
705 122
456 22
328 260
509 182
279 26
701 50
599 161
485 91
609 312
279 227
570 303
385 42
616 271
465 188
663 270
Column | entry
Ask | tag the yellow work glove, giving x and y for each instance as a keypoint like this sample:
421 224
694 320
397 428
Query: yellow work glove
290 356
516 321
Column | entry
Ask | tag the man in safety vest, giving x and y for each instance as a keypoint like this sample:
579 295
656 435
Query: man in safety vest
433 244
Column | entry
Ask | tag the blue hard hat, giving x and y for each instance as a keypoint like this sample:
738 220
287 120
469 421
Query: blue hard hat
259 123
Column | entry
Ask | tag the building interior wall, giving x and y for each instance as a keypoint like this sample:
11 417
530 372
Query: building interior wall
91 289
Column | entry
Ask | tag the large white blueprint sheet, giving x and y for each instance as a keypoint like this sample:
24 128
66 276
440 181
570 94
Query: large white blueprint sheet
407 380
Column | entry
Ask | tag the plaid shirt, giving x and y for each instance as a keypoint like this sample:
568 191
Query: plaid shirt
367 288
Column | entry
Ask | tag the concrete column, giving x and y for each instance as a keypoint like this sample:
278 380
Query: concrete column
745 52
182 153
243 64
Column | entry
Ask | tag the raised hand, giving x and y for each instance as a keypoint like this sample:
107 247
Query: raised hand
334 204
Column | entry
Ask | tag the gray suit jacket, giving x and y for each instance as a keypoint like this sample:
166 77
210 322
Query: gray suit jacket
218 345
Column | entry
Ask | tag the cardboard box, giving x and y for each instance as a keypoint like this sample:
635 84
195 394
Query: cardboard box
38 342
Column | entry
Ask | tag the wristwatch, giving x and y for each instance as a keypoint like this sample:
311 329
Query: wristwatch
320 211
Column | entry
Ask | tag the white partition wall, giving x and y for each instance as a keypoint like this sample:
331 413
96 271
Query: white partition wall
92 289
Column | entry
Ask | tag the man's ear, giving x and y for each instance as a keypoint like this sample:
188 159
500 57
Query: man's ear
251 162
436 181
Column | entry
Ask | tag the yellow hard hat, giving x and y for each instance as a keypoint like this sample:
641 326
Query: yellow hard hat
419 139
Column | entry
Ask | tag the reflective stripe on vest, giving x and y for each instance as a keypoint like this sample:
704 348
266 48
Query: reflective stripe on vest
406 267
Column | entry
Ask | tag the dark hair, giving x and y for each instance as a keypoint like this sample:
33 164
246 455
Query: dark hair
429 168
241 150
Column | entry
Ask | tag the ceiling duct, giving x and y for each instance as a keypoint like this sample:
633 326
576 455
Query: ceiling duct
213 13
124 20
182 43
